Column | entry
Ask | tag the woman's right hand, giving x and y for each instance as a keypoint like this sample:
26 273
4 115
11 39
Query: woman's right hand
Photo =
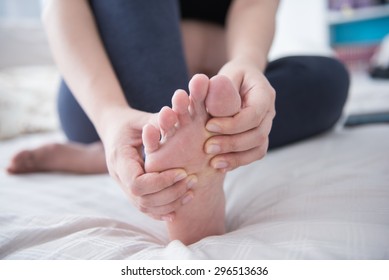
156 194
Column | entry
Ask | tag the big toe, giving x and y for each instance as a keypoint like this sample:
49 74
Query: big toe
222 100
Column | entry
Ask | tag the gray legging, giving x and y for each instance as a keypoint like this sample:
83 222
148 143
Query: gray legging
143 42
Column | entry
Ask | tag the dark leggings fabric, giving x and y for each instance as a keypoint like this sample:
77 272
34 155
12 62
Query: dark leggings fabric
143 42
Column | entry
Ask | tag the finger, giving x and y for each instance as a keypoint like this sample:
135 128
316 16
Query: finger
165 210
248 140
125 165
149 183
256 105
168 195
230 161
246 119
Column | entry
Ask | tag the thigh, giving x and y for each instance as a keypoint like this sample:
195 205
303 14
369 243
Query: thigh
310 94
144 44
143 41
204 46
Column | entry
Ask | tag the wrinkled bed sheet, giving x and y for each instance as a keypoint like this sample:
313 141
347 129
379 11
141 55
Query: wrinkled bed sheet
324 198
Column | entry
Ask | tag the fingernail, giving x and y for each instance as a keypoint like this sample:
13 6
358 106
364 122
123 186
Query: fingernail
187 199
180 176
213 149
192 182
213 128
167 218
220 165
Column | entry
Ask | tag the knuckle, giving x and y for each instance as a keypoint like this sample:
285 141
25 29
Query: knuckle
233 144
165 178
262 151
234 162
272 93
273 113
257 117
262 138
134 189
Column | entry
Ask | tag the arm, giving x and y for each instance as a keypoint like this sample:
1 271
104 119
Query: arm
81 58
250 31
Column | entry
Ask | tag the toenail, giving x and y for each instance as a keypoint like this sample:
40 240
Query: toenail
213 149
220 165
213 128
187 199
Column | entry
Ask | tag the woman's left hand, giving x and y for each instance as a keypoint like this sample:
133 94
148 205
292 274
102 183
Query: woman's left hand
243 138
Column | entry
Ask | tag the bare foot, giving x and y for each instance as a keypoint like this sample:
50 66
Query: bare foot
69 157
183 135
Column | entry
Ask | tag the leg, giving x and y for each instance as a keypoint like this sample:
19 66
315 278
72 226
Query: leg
70 157
204 46
142 41
83 155
311 92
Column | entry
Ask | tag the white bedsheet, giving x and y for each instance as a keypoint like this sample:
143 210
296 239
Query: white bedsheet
324 198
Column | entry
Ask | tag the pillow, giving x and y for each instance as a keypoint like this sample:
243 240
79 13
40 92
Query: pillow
27 100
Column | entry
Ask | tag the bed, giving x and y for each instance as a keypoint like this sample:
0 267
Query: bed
323 198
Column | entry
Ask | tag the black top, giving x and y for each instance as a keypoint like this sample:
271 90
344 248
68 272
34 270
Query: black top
214 11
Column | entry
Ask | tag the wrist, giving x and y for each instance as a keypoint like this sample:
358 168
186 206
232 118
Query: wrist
239 67
115 118
250 59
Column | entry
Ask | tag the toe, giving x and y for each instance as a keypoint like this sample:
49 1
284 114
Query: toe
198 88
23 162
222 100
150 138
180 102
167 119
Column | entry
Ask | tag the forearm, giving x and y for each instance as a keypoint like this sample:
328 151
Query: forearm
82 60
250 30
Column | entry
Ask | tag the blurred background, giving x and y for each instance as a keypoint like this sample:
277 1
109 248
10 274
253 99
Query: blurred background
352 30
22 39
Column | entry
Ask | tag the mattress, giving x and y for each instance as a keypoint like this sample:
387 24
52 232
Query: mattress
323 198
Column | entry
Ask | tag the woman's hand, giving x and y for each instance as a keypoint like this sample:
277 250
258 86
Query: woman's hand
244 138
155 194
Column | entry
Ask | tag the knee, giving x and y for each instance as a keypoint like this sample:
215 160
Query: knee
333 74
327 78
332 78
325 72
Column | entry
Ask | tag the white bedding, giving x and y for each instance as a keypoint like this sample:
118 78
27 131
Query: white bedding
325 198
